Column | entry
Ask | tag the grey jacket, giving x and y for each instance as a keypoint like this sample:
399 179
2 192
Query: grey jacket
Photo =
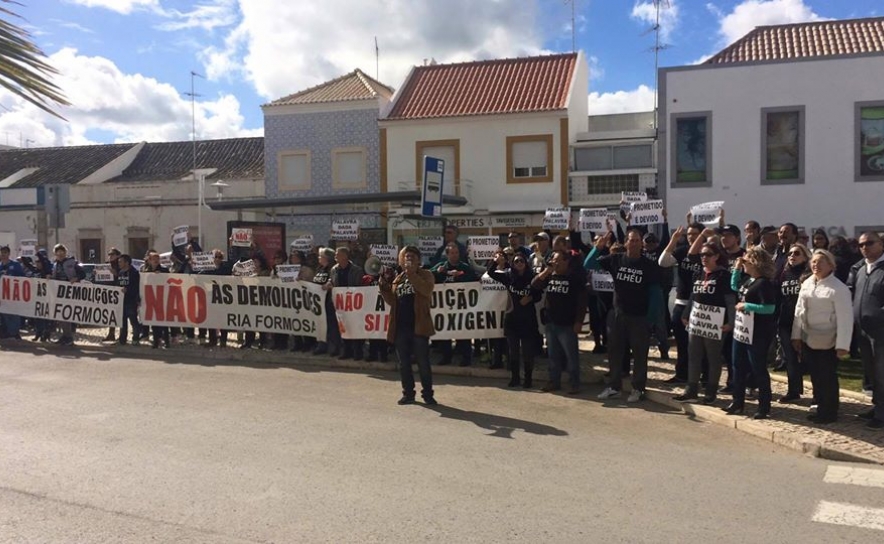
354 275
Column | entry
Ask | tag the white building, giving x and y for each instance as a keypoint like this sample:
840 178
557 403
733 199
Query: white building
503 128
129 196
786 124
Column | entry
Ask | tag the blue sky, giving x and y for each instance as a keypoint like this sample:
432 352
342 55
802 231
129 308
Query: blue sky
126 63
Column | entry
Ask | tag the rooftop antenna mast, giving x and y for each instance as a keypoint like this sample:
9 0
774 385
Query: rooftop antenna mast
573 23
377 60
658 46
192 94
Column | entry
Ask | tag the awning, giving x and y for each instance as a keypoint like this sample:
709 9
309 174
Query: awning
402 197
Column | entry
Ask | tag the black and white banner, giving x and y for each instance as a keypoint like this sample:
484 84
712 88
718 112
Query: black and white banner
81 303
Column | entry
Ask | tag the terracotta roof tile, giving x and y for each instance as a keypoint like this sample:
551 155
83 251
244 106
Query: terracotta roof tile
486 87
353 86
806 40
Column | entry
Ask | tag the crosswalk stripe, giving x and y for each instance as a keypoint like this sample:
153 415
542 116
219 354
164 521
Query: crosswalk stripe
867 477
849 514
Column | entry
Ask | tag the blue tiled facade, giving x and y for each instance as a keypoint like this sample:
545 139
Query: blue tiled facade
321 132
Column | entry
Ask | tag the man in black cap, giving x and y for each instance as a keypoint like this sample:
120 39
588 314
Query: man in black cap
730 241
769 239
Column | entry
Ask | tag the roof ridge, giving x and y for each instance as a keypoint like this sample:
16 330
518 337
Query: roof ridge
499 60
313 88
367 80
820 22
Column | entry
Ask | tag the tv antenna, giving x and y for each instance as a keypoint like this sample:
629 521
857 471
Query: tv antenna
659 5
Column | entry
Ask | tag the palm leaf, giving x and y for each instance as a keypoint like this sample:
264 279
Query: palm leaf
23 70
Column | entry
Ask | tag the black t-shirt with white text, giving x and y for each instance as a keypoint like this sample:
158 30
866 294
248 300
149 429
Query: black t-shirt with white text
405 307
563 297
688 265
711 288
633 279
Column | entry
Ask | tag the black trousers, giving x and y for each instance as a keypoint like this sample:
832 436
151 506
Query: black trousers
823 364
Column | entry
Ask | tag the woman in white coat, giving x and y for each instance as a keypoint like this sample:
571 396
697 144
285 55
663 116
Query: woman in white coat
822 331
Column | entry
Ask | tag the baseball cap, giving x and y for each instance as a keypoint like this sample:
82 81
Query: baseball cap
769 230
543 235
651 238
730 229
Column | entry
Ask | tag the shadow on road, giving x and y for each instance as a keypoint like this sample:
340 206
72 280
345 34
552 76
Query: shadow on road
501 426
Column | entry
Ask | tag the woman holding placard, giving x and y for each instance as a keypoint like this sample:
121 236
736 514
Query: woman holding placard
708 316
754 327
822 331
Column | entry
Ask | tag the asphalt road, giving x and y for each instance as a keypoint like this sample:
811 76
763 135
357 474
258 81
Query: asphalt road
124 450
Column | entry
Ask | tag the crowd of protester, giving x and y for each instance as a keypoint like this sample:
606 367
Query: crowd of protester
813 301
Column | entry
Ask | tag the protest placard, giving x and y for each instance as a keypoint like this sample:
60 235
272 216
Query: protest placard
239 304
707 213
648 212
593 220
482 248
628 197
166 259
558 218
81 303
428 245
241 237
288 273
744 327
202 261
345 229
180 236
28 248
246 269
706 321
303 243
461 311
388 254
602 282
102 273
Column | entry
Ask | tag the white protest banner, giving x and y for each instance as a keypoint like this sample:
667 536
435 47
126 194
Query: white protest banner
593 220
628 197
288 273
345 229
649 212
180 236
302 243
707 213
557 218
389 255
706 321
81 303
482 248
612 222
244 269
230 303
102 273
166 259
241 237
28 248
202 261
428 245
602 282
744 327
459 311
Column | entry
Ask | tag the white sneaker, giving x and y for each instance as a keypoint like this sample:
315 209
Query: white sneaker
609 393
636 395
813 408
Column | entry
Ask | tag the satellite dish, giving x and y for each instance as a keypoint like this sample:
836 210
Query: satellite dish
373 266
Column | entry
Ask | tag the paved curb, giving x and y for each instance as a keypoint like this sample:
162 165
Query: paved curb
785 439
862 397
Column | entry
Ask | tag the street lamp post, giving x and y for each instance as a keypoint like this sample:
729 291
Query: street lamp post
201 201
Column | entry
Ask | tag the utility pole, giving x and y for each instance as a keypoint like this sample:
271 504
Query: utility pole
199 191
573 22
377 60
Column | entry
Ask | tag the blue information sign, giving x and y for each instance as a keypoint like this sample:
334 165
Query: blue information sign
431 196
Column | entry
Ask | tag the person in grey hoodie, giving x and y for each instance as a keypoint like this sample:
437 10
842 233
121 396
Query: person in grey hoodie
868 315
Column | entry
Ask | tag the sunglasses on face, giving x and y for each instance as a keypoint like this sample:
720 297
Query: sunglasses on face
866 244
707 254
519 261
795 254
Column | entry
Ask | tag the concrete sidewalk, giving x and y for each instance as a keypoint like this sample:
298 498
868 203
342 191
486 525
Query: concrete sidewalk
845 440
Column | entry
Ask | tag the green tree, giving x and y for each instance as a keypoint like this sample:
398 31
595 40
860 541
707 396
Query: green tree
23 68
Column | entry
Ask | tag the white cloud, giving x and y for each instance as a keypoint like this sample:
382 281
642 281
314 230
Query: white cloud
131 107
207 16
640 99
120 6
646 12
751 13
284 47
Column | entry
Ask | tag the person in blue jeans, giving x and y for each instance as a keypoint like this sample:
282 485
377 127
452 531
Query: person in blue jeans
565 290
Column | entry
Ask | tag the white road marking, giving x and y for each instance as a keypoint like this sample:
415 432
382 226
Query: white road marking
854 476
848 514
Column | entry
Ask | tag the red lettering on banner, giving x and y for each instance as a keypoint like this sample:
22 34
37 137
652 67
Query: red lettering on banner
154 307
15 290
175 310
348 302
377 322
196 305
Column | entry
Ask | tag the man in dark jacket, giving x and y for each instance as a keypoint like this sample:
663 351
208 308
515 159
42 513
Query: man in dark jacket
868 314
130 280
66 269
454 270
11 323
346 274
